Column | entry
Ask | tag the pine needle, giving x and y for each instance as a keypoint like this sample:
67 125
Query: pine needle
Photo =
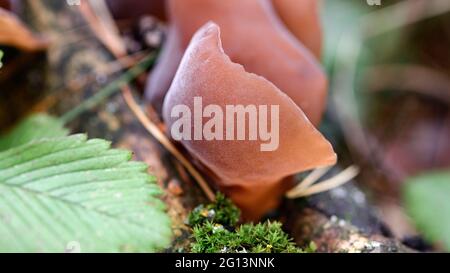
336 181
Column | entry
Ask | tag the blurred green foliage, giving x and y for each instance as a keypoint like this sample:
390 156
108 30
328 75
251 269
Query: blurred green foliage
427 199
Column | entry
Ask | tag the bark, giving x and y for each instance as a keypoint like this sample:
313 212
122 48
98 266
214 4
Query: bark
337 235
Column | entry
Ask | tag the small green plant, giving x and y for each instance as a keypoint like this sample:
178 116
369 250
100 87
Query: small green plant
76 192
215 231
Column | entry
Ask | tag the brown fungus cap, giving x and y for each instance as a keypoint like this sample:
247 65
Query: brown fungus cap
303 19
252 177
254 36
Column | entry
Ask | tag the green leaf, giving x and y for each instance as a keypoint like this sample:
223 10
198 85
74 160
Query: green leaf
427 199
34 127
56 194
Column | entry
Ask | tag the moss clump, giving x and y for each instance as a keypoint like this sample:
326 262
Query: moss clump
215 231
267 237
222 211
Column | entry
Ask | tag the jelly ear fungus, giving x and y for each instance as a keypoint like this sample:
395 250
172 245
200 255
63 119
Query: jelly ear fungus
254 179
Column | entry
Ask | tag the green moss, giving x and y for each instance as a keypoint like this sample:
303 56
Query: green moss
265 237
222 211
215 231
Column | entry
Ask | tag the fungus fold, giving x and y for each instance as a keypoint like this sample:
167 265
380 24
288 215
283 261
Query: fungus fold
254 36
303 20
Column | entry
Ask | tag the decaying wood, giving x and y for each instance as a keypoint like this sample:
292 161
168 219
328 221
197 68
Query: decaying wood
337 235
78 66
